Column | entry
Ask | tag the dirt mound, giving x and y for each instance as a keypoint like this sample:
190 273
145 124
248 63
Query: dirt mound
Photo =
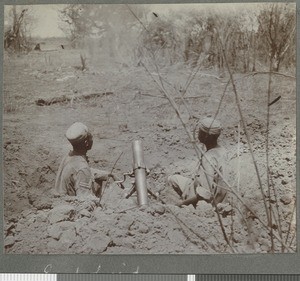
64 225
34 144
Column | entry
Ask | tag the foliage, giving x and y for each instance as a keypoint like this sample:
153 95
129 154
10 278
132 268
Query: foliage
277 34
78 22
161 39
249 37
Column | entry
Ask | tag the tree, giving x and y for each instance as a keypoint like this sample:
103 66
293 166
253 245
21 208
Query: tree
161 39
195 39
77 22
208 33
17 36
277 31
225 33
105 30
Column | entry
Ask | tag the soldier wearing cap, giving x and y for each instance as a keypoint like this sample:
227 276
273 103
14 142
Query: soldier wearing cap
208 181
74 176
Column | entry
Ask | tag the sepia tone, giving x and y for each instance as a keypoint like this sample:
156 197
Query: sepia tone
151 73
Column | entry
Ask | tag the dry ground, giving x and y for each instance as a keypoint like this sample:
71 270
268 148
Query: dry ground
34 144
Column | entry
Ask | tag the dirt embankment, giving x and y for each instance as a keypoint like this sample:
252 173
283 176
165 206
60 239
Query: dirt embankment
34 144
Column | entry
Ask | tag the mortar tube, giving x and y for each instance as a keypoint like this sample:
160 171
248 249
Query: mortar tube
139 169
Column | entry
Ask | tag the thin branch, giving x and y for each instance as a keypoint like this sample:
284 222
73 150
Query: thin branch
181 222
292 239
244 126
111 171
200 153
246 222
190 79
238 155
251 151
222 227
232 224
180 95
167 82
267 154
174 105
277 209
136 17
290 224
270 72
221 100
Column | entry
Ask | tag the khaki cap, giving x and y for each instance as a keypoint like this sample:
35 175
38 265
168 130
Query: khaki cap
210 126
77 132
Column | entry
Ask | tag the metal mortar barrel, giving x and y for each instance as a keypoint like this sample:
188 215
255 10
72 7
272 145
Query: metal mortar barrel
139 169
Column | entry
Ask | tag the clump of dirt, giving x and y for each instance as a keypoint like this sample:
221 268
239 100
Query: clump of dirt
35 222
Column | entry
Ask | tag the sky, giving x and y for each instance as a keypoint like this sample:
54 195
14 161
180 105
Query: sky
47 24
46 19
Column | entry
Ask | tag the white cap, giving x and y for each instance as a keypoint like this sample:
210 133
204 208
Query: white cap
77 132
210 126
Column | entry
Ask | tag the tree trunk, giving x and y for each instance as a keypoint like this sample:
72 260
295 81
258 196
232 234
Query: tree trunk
254 54
16 35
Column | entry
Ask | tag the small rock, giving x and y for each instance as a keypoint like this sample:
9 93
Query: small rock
41 217
159 209
20 226
286 199
265 248
9 241
99 243
264 241
42 205
68 238
26 213
225 209
205 208
55 246
143 228
284 182
55 231
31 221
62 213
10 228
85 213
13 218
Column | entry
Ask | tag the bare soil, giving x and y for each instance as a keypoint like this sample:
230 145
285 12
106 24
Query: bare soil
33 144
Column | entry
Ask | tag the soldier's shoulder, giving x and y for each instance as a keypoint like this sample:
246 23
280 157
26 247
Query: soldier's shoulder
78 163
